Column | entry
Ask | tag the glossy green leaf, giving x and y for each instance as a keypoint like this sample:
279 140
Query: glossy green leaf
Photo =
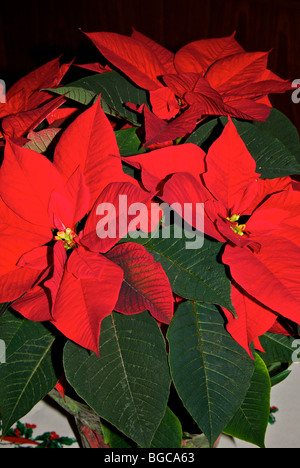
168 434
76 92
40 141
251 420
280 377
279 348
116 91
128 385
3 307
273 144
210 371
28 374
128 142
114 438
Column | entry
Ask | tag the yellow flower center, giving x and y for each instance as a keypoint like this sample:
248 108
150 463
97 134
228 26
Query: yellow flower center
237 228
67 237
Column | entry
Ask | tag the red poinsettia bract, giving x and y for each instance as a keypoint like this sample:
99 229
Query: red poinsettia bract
206 77
257 219
53 265
26 104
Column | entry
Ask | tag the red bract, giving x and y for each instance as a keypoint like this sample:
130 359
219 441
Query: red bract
205 77
257 219
45 252
26 105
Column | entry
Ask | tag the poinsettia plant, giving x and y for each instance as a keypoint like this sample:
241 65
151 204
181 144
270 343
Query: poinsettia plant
150 247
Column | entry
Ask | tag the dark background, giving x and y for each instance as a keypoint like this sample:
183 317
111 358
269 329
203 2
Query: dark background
35 31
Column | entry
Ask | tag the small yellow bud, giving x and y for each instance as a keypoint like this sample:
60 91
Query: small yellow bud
237 228
67 237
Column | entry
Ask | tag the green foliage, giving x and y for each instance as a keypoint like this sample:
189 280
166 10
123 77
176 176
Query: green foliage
273 144
251 420
128 385
210 371
29 372
115 91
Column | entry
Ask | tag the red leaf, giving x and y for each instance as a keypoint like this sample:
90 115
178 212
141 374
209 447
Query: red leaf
145 286
166 161
28 177
25 94
88 293
258 89
246 109
61 386
79 195
164 104
121 202
197 56
230 168
52 284
17 282
253 319
165 56
160 131
35 305
184 189
17 237
37 258
60 212
131 57
270 275
18 124
19 440
197 92
89 142
236 70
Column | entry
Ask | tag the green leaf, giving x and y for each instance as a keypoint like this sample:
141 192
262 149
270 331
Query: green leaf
40 141
278 348
28 374
76 92
114 438
115 92
3 308
129 384
280 377
251 420
207 133
280 128
195 274
273 144
168 434
210 371
128 142
195 441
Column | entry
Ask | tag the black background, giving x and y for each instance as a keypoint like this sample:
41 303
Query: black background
35 31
